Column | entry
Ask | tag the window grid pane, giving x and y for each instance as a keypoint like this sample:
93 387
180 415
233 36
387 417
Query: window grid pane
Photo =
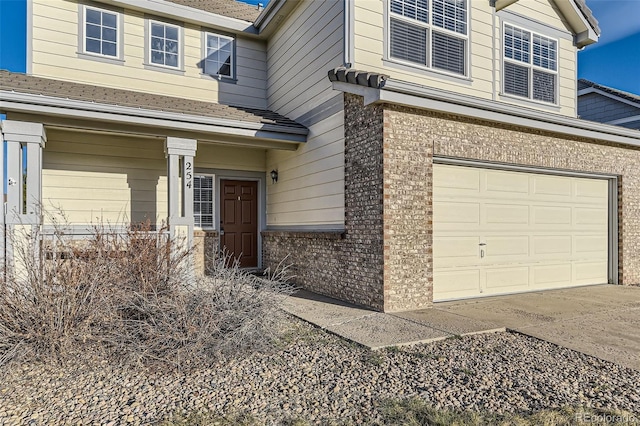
203 201
450 15
218 55
164 45
517 44
544 52
101 32
414 9
408 42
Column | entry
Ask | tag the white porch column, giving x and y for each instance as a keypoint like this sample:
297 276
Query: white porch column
20 134
180 153
22 211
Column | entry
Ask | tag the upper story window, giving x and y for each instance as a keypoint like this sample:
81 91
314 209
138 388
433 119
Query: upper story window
431 33
164 44
219 55
101 29
530 64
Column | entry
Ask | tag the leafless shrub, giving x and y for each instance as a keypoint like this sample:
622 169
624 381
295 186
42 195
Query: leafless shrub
131 295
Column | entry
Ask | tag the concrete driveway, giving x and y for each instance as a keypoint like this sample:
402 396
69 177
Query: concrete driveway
602 321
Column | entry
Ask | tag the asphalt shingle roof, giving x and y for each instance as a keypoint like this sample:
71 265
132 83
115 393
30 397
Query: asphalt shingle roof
22 83
584 83
229 8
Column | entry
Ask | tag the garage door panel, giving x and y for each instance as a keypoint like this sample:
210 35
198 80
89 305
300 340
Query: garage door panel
505 248
551 215
591 246
456 284
545 276
592 191
452 177
505 184
447 212
590 273
554 245
507 279
540 231
545 187
456 251
590 217
506 214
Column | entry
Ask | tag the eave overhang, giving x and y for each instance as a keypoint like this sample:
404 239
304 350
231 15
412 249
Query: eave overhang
70 113
416 96
584 28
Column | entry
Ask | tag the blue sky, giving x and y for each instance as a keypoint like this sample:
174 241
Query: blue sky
615 60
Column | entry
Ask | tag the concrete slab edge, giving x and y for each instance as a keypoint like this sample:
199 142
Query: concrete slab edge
328 330
524 333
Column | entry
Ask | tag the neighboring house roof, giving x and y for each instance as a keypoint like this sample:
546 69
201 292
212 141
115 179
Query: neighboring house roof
584 84
22 83
229 8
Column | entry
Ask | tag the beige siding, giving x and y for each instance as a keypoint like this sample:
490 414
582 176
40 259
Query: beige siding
211 156
55 47
310 189
370 52
95 178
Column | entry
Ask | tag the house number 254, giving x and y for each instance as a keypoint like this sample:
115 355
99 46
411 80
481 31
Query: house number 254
188 175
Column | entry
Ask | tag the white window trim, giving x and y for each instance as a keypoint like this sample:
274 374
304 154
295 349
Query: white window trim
213 203
82 47
531 66
205 35
430 28
147 47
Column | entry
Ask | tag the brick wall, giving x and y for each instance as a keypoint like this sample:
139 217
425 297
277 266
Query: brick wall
408 158
345 266
384 259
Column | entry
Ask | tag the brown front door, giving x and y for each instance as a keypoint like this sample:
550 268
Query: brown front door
239 220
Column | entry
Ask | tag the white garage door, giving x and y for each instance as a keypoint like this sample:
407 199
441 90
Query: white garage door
498 232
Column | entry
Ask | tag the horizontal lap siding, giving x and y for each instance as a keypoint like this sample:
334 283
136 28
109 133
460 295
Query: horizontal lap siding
114 179
55 47
211 156
310 187
370 51
94 177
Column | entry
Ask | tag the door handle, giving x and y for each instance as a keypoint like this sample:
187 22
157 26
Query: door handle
482 245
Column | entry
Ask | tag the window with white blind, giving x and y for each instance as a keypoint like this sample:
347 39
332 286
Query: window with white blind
203 201
530 65
430 33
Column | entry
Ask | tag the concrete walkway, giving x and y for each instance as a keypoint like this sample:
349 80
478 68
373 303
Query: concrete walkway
602 321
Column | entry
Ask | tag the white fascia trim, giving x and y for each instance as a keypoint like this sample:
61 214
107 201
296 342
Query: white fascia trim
588 90
402 93
584 35
266 16
625 120
187 14
138 116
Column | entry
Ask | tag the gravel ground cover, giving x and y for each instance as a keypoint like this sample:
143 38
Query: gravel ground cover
321 378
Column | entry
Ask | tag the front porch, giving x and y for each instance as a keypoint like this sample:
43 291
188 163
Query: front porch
201 172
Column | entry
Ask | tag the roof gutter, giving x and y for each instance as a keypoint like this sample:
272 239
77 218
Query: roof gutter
417 96
68 108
